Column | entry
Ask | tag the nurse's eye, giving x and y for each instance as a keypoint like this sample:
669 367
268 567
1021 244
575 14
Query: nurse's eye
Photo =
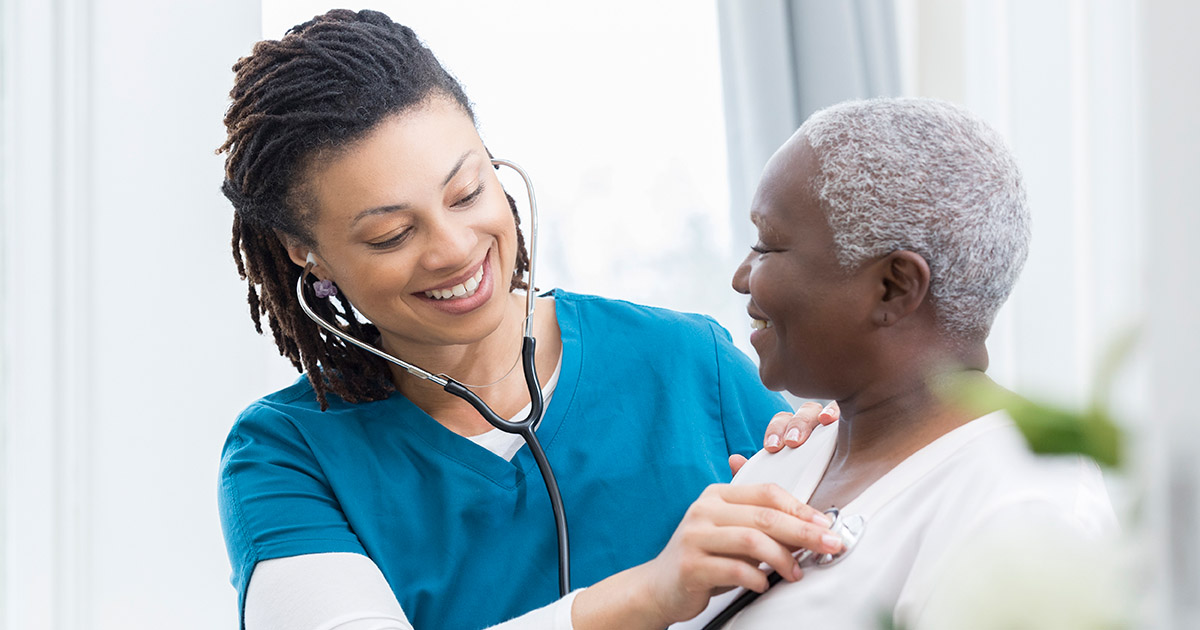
469 199
389 243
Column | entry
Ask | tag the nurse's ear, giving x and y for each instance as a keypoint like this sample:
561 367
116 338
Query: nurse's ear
903 278
300 253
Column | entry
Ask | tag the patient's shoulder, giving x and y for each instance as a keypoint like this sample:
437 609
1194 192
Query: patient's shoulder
791 467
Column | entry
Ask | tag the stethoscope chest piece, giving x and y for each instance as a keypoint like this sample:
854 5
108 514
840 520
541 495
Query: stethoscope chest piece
849 529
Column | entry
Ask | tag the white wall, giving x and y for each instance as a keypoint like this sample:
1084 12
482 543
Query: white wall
125 341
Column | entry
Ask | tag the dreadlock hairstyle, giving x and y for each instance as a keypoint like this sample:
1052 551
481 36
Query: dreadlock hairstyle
328 83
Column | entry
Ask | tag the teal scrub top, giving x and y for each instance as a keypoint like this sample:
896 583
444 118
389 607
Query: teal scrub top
648 407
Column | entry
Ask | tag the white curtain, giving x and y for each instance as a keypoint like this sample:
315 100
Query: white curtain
124 332
1167 161
782 60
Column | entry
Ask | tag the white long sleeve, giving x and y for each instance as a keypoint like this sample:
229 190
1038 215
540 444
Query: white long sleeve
321 591
346 591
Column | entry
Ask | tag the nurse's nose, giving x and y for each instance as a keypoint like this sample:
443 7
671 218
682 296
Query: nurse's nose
448 243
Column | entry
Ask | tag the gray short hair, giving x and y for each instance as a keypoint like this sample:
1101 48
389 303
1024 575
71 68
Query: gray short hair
929 177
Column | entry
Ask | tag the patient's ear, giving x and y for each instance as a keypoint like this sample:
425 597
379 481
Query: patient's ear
905 286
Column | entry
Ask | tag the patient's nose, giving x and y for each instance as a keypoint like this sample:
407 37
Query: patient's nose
740 276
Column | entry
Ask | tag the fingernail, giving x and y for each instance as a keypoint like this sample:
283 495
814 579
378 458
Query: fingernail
828 409
772 441
792 435
822 519
832 542
796 572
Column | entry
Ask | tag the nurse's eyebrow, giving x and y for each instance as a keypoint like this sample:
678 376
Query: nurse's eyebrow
380 210
457 166
403 206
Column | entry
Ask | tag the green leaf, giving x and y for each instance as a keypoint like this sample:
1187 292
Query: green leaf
1047 429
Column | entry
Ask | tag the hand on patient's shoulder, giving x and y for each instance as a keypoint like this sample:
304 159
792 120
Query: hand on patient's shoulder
792 429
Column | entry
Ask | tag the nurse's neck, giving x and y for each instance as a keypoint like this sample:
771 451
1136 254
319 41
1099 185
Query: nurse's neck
490 368
908 406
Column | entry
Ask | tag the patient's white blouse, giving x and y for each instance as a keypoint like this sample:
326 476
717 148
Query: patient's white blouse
969 484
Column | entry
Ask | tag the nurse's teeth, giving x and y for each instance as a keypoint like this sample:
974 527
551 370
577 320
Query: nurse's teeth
465 289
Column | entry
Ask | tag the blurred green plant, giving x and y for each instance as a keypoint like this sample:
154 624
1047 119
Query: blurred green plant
1052 429
1075 586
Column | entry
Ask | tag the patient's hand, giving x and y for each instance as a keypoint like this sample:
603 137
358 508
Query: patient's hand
788 429
723 538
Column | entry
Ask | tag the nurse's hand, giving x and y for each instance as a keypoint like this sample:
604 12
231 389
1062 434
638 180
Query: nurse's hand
720 543
724 537
792 429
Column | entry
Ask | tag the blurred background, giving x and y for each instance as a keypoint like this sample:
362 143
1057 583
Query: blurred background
127 350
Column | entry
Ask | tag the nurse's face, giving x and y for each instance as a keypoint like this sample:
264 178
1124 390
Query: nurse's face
809 315
414 229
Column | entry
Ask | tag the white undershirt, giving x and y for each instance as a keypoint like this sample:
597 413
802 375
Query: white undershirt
505 444
347 591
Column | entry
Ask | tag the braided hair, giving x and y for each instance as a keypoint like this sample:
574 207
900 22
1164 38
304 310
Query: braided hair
328 83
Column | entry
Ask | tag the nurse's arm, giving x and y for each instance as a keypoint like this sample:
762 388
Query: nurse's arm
723 538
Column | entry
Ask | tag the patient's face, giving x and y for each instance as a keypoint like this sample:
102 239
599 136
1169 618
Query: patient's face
815 314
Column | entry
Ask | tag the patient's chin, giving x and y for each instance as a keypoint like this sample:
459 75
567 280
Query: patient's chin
770 377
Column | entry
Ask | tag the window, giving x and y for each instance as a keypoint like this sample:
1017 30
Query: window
615 111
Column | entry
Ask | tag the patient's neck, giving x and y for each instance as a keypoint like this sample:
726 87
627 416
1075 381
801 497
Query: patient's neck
884 425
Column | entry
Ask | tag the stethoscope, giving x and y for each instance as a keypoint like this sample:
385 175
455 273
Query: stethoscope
849 529
525 427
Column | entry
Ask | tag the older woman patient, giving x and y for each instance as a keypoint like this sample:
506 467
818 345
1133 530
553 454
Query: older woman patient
889 234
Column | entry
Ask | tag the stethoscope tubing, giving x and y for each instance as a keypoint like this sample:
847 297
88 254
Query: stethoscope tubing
524 427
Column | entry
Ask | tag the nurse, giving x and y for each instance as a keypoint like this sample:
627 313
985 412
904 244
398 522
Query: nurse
361 497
